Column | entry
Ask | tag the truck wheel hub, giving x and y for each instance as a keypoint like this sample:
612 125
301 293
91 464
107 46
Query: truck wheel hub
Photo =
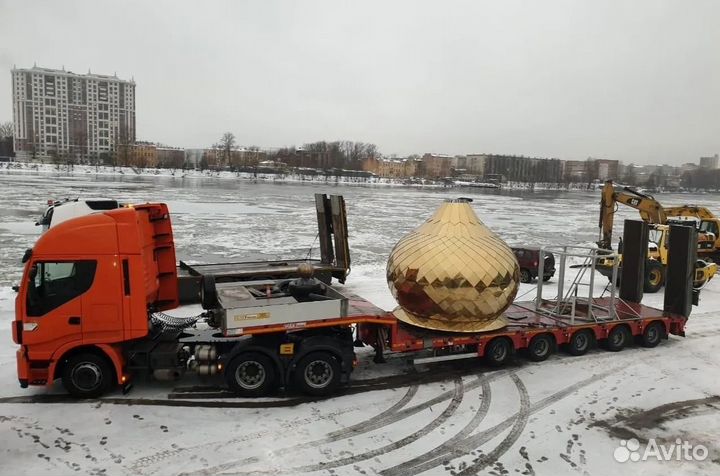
318 374
250 375
87 376
581 341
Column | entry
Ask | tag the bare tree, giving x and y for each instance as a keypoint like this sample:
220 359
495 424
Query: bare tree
226 145
6 129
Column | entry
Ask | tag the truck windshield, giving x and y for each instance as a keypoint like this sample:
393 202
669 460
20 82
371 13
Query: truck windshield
56 283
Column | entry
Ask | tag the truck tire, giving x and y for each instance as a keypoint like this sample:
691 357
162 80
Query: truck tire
654 277
618 338
87 375
580 342
251 374
318 373
525 276
541 347
498 351
208 292
653 334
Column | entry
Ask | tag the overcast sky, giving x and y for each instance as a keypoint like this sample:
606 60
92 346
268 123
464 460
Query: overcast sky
634 80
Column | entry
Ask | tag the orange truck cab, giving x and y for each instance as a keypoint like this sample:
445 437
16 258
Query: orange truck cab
87 287
89 312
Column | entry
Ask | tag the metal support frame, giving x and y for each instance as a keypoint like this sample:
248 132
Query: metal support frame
567 300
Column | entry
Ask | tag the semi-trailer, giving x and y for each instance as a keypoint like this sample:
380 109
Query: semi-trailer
91 311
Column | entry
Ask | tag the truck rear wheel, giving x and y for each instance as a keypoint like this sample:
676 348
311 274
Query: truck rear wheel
318 373
580 342
251 374
540 348
525 276
618 338
87 375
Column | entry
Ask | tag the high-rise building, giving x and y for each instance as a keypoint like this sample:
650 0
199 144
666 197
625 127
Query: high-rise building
710 162
60 114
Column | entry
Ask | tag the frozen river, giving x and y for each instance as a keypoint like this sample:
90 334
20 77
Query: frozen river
217 219
568 415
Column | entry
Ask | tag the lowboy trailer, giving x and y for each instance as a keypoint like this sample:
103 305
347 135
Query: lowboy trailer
91 311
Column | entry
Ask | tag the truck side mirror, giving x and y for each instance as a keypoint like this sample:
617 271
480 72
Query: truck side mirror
16 288
27 255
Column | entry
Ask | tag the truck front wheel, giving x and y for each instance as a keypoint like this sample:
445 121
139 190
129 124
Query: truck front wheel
87 375
318 373
251 375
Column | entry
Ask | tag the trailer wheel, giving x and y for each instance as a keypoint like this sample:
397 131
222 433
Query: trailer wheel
540 348
654 276
580 342
525 276
318 373
498 351
251 375
618 338
87 375
653 334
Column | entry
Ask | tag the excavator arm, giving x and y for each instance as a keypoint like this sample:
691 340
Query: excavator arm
650 210
690 211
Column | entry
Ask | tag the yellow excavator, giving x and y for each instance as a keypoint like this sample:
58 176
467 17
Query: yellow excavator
657 217
707 223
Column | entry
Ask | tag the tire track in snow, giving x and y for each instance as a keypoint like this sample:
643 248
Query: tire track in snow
165 454
456 397
474 442
517 428
442 418
408 467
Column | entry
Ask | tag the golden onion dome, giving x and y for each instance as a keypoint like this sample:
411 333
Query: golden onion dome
452 273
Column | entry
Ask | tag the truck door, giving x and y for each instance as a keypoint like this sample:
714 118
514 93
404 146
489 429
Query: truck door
53 305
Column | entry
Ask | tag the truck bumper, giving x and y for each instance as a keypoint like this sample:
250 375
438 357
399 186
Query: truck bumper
31 374
23 367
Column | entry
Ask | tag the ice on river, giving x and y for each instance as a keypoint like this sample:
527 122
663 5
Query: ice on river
568 415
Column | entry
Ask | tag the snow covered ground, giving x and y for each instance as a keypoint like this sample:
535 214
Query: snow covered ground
568 415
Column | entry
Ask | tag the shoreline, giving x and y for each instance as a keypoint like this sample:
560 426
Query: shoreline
26 168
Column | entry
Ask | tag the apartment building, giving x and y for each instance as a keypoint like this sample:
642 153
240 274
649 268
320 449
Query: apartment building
61 114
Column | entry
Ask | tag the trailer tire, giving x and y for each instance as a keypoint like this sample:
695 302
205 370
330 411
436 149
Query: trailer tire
251 374
525 276
318 373
498 351
618 338
541 347
580 342
87 375
653 334
208 292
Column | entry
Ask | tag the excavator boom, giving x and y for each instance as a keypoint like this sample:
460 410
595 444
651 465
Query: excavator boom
650 210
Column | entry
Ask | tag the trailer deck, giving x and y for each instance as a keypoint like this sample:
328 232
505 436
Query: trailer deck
526 322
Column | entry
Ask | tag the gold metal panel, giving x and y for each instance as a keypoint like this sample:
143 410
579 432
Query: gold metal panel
453 273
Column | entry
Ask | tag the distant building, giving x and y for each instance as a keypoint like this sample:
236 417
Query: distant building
709 162
60 114
471 164
591 169
523 169
437 165
396 168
